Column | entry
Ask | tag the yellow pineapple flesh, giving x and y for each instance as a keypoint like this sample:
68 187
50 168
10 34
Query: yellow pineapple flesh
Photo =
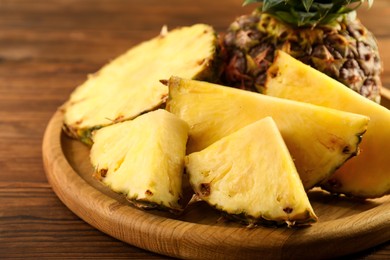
320 139
237 176
129 85
367 175
143 159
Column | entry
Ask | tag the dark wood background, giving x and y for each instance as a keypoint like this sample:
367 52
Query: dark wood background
46 49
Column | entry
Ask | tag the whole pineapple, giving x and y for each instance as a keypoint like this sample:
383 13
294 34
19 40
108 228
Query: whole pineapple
324 34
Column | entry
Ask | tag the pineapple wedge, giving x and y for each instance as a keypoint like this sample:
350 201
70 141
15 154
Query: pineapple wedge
143 159
367 175
320 139
235 175
129 85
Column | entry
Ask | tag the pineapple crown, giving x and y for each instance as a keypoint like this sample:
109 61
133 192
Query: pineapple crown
308 13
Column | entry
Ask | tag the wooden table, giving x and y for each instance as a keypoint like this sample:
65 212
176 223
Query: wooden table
46 49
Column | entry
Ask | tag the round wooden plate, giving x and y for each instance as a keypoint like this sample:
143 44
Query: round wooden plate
345 225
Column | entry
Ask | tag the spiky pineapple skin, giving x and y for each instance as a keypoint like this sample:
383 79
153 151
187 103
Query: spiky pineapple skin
344 50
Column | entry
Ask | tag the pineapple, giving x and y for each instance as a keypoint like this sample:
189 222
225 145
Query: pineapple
129 85
143 159
324 34
367 175
236 176
320 139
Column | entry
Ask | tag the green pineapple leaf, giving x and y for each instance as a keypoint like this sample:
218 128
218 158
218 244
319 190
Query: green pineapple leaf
307 4
268 5
287 17
308 12
247 2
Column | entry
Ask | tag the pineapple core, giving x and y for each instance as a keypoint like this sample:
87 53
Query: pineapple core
143 159
319 139
251 177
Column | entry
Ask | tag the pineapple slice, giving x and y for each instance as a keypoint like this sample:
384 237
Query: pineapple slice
129 85
320 139
367 175
235 175
143 159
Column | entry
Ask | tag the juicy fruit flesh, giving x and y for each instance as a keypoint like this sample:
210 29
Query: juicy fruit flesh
143 158
129 85
367 175
236 175
319 139
344 50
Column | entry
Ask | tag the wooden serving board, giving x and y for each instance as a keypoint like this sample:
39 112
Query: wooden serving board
345 225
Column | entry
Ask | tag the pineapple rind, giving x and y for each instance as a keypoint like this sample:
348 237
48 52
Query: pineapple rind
317 137
129 85
143 159
366 176
83 134
344 50
235 176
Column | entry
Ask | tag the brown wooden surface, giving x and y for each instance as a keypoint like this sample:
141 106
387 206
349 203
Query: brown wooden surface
46 49
345 225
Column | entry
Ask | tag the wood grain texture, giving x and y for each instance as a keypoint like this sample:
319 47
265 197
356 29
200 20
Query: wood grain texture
46 49
345 225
